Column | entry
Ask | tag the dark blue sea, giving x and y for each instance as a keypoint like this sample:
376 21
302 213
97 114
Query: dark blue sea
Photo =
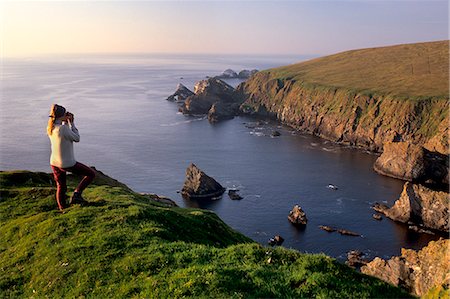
130 132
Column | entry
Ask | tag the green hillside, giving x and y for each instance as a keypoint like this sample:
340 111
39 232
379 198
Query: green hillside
409 70
127 245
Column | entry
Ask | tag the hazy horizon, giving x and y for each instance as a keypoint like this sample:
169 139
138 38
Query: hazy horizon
36 28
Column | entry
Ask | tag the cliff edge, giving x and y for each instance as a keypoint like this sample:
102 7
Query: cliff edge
125 245
363 97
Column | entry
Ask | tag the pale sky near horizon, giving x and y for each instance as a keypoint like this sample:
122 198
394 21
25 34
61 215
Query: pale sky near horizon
31 28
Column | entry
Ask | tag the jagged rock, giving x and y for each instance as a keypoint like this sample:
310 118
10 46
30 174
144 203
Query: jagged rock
200 185
416 271
209 92
297 216
181 94
411 162
327 228
234 195
420 205
355 259
380 208
277 240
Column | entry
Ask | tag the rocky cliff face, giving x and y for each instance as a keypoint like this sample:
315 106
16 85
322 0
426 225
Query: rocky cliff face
347 116
422 206
414 163
416 271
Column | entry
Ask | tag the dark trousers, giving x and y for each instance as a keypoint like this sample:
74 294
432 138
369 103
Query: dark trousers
61 184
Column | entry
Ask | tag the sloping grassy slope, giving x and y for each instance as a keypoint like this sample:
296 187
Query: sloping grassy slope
409 70
125 245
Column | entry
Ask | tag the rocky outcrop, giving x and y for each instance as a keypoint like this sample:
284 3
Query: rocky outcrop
347 116
180 95
297 216
200 185
220 111
160 199
355 258
276 240
230 74
416 271
411 162
420 205
339 230
232 194
213 97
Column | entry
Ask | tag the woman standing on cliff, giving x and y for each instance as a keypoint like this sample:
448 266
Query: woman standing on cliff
62 133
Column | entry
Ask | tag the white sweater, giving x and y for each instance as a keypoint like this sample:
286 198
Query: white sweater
62 139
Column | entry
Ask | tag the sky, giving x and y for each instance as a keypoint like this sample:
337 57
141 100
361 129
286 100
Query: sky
30 28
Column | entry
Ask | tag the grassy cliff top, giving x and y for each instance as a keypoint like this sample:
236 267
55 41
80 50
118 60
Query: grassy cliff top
125 245
409 70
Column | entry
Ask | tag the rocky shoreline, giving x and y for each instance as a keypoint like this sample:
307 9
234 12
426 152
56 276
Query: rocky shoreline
387 124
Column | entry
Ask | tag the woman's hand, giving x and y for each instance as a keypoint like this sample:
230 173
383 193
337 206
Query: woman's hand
70 117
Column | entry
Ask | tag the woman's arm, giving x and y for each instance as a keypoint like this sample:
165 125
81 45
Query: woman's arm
71 132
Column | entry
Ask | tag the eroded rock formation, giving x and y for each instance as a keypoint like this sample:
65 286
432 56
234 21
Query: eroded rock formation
213 97
420 205
181 94
416 271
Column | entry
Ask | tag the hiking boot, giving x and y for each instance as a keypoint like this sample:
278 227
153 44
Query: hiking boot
77 199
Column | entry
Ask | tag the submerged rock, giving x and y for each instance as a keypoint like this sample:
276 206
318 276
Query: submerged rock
297 216
327 228
181 94
420 205
348 232
377 217
339 230
416 271
234 195
275 134
200 185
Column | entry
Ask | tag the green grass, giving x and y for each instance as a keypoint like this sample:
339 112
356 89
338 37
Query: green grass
126 245
410 71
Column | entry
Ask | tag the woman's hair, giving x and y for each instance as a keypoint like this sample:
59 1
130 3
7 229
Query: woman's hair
51 120
56 111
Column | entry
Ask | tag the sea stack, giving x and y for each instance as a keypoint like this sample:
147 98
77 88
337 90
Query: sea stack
200 185
297 216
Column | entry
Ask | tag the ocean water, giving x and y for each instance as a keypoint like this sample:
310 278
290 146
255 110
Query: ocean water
130 132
